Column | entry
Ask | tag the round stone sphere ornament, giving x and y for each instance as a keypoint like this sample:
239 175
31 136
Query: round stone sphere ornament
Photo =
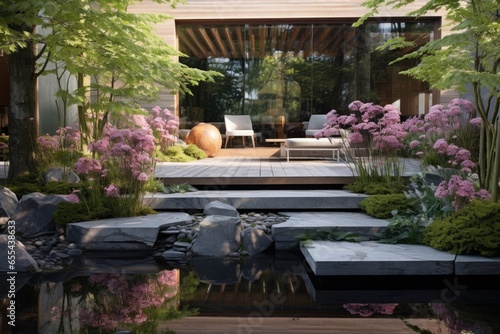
207 137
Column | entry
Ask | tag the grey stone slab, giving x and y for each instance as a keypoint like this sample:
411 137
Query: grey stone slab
259 199
286 235
135 233
477 265
373 258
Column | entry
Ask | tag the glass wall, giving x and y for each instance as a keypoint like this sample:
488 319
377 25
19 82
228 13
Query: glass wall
283 73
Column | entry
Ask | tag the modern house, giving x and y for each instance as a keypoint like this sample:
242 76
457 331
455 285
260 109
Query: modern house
285 60
282 61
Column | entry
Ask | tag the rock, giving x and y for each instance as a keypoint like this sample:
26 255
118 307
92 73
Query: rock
255 240
207 137
23 260
57 174
34 212
219 236
8 202
74 252
172 255
217 208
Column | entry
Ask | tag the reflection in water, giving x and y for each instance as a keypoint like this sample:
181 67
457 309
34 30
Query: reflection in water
225 296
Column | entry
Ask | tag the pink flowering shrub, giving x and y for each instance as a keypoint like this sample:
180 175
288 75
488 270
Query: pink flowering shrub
60 150
121 168
372 131
459 192
371 126
447 130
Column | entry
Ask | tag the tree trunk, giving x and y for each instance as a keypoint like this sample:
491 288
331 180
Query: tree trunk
22 111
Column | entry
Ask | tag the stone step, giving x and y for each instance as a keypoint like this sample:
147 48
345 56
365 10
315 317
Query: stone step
256 200
119 234
287 234
330 258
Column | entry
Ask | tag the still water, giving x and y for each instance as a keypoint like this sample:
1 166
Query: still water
266 294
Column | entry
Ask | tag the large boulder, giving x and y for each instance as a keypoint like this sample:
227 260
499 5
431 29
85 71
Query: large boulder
219 236
8 202
33 214
58 174
23 261
255 240
217 208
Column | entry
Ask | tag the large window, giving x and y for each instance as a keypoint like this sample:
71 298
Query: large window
291 71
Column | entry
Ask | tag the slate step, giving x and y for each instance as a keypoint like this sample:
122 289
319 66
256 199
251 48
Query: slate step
308 224
330 258
258 200
117 234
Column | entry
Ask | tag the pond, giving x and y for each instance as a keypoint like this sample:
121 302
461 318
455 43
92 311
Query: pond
273 293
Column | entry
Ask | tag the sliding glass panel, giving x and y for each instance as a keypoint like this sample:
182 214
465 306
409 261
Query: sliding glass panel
280 74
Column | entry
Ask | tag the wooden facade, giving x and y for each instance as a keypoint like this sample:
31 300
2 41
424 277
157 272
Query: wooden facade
219 12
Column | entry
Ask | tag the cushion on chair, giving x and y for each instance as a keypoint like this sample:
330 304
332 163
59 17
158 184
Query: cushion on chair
315 124
313 143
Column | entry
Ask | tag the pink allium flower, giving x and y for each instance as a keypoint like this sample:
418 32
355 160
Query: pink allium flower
452 149
143 177
463 154
414 144
356 105
73 198
86 165
441 146
441 190
356 138
483 194
112 191
477 121
468 164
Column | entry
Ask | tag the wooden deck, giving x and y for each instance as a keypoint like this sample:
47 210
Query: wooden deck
257 171
261 167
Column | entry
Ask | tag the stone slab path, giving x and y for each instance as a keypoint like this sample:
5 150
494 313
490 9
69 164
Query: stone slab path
286 235
259 199
330 258
115 234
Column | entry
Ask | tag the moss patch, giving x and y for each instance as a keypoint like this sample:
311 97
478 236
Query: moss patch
382 206
473 230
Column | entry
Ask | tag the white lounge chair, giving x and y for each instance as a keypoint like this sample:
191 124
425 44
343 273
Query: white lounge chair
315 124
239 126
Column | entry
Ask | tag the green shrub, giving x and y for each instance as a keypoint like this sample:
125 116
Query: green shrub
382 206
376 188
473 230
68 212
194 151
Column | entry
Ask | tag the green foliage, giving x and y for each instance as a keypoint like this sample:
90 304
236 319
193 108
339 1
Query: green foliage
332 234
178 153
376 188
473 230
469 55
405 229
383 206
68 212
59 187
194 151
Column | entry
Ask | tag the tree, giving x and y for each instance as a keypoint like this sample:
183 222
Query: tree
467 59
118 51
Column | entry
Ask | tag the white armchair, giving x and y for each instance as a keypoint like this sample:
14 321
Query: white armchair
315 124
239 126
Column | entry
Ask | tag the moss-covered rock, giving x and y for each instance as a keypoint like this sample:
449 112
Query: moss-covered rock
382 206
473 230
